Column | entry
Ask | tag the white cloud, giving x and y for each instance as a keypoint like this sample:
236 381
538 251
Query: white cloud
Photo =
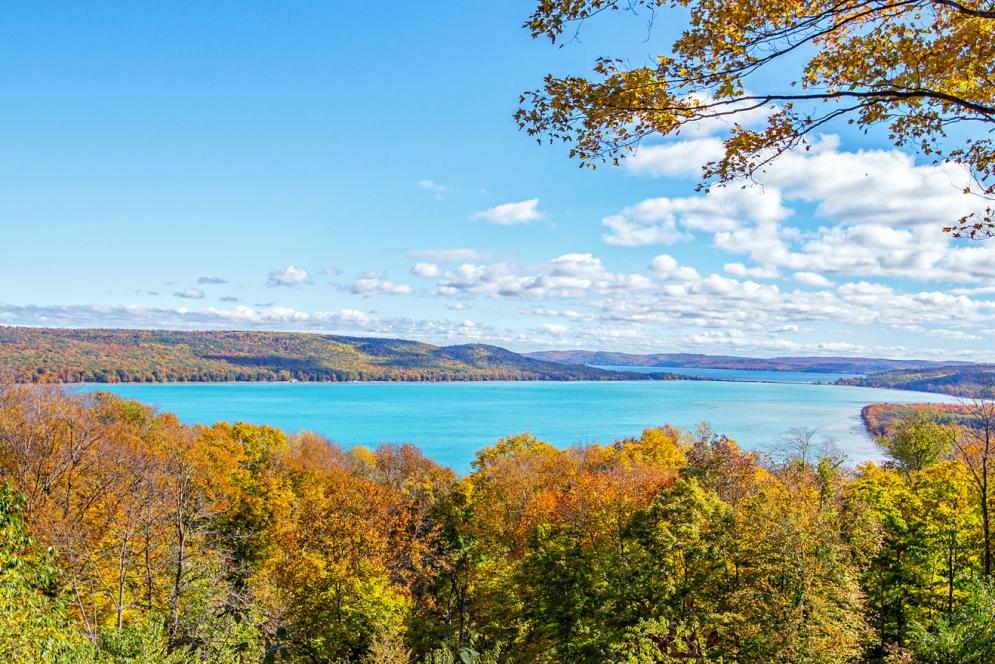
374 283
668 220
681 158
291 276
211 280
665 266
872 186
463 255
567 276
507 214
670 299
190 294
882 214
426 270
813 279
555 329
667 307
761 272
630 229
953 335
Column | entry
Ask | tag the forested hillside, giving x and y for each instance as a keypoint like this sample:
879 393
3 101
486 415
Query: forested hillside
112 356
959 380
126 536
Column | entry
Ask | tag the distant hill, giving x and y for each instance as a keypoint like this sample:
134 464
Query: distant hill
846 365
114 356
956 379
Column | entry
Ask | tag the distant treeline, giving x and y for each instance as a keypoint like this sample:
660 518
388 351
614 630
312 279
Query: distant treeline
970 381
844 365
882 418
150 356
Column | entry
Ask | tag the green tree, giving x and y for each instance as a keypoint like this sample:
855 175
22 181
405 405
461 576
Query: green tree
917 441
586 598
33 624
967 637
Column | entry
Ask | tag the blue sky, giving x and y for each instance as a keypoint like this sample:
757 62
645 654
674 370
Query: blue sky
355 169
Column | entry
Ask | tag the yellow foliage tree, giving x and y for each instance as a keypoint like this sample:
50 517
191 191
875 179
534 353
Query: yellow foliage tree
915 66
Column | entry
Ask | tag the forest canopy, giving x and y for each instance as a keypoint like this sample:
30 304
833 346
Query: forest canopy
127 536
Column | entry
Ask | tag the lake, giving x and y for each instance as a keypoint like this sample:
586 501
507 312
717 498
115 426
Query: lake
450 421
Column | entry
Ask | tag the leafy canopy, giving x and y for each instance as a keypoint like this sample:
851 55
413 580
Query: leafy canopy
918 67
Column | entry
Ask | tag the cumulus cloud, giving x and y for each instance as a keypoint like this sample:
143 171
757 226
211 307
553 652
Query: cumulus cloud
567 276
681 158
666 267
211 280
758 272
872 186
554 329
668 220
812 279
671 299
190 294
290 277
881 213
667 307
375 283
426 270
508 214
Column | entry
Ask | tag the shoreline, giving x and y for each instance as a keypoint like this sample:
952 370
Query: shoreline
683 379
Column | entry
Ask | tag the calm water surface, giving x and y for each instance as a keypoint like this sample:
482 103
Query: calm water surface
449 421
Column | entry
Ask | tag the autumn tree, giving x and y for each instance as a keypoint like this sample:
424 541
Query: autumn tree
921 548
920 68
917 441
967 637
798 594
670 564
976 448
329 574
32 608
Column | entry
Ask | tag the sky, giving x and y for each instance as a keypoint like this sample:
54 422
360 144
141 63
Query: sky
354 168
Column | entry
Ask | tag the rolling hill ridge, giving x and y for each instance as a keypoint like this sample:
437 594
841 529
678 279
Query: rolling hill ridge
855 365
115 355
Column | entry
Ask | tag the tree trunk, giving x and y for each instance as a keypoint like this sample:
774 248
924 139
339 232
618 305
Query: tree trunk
950 576
174 622
985 522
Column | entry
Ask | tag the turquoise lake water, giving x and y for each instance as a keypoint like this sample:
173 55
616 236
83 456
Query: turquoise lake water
450 421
